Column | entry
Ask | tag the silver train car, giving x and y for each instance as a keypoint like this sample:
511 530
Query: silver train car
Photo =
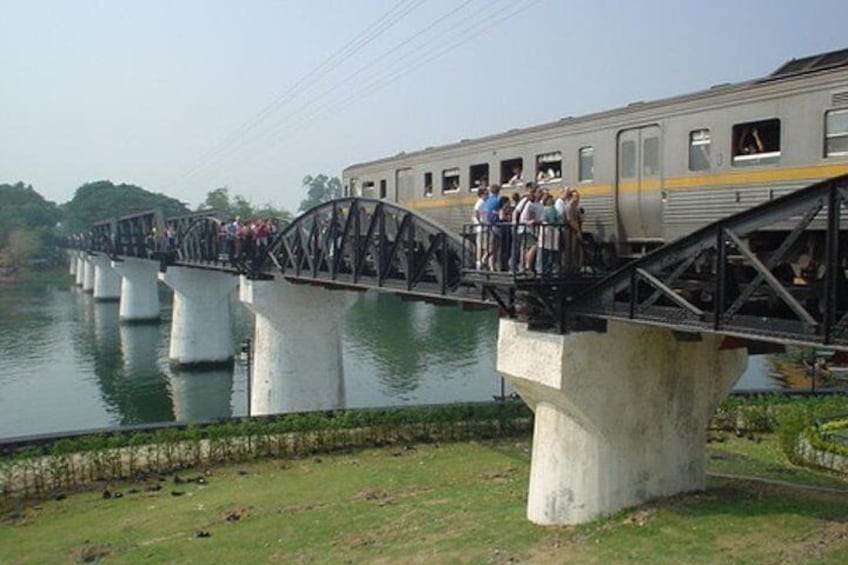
651 172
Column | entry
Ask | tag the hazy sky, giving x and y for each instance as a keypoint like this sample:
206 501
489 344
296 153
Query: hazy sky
184 96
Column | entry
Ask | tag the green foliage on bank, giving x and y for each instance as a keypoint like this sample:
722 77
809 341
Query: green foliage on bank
791 418
38 469
101 200
27 220
73 462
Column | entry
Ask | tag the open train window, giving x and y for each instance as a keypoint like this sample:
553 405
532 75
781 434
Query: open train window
368 187
382 188
479 175
586 164
428 184
549 167
512 171
836 133
756 143
450 180
699 150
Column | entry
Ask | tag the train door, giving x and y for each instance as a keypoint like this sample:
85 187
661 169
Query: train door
404 185
639 191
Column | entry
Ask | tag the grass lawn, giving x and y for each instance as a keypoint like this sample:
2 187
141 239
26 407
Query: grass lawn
462 502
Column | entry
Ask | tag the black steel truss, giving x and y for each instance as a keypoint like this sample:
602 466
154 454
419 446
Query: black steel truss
718 279
366 243
713 280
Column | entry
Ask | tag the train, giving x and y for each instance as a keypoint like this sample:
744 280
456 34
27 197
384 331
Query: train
650 172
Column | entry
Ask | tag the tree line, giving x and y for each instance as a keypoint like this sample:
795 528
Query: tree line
30 224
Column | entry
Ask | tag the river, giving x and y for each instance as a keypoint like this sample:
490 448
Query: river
67 364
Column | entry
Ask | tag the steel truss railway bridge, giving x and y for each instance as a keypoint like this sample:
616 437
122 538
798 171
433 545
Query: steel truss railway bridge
623 367
709 281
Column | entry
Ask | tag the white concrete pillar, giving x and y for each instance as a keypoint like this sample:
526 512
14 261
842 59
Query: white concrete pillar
72 262
88 274
201 323
297 348
107 281
139 291
620 417
80 273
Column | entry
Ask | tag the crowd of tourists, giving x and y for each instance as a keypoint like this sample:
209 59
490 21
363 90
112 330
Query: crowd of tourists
534 232
242 240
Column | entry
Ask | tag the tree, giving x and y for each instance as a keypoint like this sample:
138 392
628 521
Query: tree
319 189
23 245
283 216
239 206
102 200
22 207
218 199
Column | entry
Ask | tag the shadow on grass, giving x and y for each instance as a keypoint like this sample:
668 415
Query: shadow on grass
744 498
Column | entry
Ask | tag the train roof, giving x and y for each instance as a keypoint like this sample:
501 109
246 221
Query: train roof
804 65
791 69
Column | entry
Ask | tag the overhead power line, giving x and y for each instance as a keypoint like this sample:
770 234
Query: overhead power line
381 25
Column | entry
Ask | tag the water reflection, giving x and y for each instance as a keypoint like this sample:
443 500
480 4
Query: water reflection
408 343
127 368
66 362
201 395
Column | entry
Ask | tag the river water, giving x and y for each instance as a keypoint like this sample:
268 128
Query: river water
67 364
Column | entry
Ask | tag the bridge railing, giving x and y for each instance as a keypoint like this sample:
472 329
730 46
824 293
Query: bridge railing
769 271
531 250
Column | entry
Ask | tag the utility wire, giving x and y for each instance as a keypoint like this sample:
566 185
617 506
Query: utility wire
480 24
297 113
388 77
382 24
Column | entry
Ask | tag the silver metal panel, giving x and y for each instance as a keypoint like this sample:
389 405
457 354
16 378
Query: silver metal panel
639 183
650 182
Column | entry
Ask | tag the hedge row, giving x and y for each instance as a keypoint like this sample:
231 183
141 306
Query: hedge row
73 462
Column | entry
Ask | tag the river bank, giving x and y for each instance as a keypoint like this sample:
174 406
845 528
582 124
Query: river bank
441 502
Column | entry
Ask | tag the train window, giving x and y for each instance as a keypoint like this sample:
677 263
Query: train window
628 159
549 167
586 164
428 184
368 187
479 175
650 156
511 171
450 180
756 143
699 150
836 133
382 188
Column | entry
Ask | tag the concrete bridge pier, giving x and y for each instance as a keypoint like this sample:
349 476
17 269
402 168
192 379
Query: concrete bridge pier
620 417
201 324
297 347
139 291
72 262
107 282
88 274
79 272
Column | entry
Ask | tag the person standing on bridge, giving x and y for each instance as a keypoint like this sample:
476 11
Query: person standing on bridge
478 218
529 220
574 224
493 204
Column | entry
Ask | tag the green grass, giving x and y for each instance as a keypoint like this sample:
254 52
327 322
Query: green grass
462 502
